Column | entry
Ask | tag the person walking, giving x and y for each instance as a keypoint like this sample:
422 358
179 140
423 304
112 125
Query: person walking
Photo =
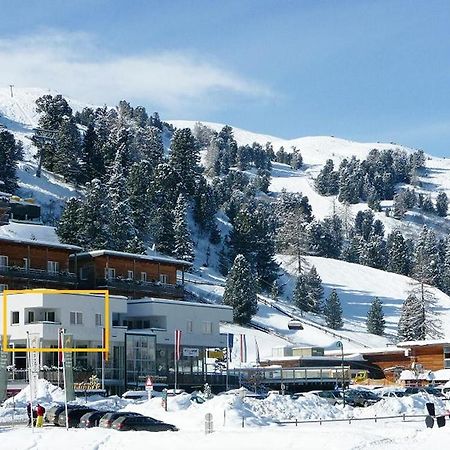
40 410
29 413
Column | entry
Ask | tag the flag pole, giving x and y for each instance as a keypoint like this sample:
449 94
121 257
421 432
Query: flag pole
65 382
103 359
59 356
30 380
175 362
227 386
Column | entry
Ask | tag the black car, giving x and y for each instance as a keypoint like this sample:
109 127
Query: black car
107 420
74 415
92 419
360 397
52 414
141 423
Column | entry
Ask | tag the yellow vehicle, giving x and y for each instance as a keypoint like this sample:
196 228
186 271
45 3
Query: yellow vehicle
361 376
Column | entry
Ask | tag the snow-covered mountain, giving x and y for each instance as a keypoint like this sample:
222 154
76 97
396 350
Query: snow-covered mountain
356 285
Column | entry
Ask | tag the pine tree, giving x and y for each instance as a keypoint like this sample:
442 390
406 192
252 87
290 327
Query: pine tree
69 224
67 156
300 294
333 311
92 164
442 204
184 159
314 291
121 228
149 145
10 153
183 247
95 217
240 291
398 256
375 318
408 324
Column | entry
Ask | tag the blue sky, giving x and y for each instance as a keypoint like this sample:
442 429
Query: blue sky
362 70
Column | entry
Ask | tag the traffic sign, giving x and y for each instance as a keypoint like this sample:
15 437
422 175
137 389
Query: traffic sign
149 384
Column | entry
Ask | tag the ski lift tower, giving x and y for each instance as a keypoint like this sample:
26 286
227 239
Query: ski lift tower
47 139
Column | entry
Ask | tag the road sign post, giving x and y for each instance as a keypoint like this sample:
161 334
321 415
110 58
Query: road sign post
149 387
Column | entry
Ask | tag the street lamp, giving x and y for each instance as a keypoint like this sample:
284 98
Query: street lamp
341 345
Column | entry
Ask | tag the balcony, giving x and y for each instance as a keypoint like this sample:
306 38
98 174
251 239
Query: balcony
20 273
152 289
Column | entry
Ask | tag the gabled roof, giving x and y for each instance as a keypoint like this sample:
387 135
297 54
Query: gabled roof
160 259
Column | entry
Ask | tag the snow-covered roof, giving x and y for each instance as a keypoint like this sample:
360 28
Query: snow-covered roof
175 302
382 350
162 259
424 343
33 234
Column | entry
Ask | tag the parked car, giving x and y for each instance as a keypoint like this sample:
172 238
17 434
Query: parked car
361 397
52 414
135 395
297 395
141 423
426 390
393 394
332 397
74 415
92 419
107 420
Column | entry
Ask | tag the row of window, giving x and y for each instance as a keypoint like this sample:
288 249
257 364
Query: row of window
52 266
76 317
110 274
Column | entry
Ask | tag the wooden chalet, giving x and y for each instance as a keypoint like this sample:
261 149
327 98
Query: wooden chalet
430 355
128 274
28 264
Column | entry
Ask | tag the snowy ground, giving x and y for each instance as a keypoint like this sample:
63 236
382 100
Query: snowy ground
261 430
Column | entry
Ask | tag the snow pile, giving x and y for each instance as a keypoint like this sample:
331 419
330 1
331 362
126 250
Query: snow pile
46 394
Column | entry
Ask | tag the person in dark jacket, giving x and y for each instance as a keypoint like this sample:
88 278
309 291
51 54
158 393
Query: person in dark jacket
29 413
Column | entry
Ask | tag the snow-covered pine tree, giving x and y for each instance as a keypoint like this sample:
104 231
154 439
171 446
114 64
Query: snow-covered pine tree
149 145
294 213
240 291
184 159
183 247
441 204
92 164
137 186
300 295
67 156
10 153
95 216
136 245
333 311
408 324
375 318
69 224
427 204
398 255
121 227
314 290
445 271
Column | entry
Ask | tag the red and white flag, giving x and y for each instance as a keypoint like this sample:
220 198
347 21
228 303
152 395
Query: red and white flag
177 344
243 346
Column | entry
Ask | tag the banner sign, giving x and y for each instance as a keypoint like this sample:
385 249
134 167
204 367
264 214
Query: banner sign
33 342
190 352
3 375
68 368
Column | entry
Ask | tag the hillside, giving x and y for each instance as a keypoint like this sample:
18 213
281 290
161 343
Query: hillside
356 285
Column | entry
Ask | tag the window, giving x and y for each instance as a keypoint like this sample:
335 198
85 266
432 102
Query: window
163 278
84 271
30 316
189 326
26 264
14 317
3 287
207 327
76 318
53 266
130 275
49 316
98 320
110 273
3 261
143 276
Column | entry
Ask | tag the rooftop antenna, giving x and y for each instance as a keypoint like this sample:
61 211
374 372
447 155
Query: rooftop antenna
11 89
